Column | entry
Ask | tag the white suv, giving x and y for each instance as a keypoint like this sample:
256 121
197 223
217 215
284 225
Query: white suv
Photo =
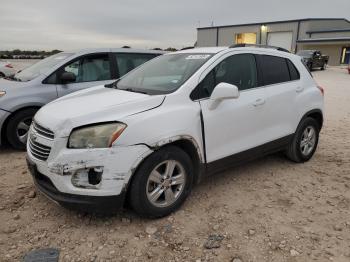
149 137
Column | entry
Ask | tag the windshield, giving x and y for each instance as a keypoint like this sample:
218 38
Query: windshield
164 74
36 69
305 53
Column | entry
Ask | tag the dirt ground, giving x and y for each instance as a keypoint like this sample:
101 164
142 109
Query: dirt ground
267 210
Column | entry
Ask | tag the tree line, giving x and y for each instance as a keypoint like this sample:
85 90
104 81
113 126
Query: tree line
26 54
17 53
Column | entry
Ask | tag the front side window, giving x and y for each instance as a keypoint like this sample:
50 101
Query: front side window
274 69
164 74
86 69
127 62
239 70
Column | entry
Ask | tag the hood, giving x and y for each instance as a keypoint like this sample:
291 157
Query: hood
8 85
93 105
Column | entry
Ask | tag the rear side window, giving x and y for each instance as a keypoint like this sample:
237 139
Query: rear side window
127 62
293 71
239 70
274 69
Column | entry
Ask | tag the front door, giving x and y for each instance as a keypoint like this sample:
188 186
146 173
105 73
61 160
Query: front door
235 125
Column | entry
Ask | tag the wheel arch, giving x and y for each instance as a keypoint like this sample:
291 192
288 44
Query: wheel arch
185 143
315 114
4 126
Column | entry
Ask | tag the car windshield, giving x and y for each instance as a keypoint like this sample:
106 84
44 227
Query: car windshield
40 67
305 53
164 74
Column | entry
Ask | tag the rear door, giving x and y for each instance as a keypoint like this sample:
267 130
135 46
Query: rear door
89 70
282 85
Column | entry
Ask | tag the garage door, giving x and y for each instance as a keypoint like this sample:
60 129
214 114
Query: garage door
281 39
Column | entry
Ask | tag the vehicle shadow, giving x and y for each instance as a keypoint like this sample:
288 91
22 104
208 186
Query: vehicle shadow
250 169
6 149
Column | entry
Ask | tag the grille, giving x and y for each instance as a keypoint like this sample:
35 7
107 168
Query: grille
43 131
38 150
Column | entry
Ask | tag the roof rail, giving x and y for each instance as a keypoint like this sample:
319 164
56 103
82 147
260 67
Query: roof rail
260 46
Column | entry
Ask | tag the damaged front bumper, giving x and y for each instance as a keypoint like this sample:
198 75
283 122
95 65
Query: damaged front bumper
73 201
93 179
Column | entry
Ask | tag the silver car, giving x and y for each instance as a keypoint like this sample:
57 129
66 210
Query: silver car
57 76
6 69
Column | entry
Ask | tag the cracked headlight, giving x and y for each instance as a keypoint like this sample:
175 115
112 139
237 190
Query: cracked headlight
96 136
2 93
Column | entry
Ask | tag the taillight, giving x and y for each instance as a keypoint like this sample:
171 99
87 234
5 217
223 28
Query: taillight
9 66
321 89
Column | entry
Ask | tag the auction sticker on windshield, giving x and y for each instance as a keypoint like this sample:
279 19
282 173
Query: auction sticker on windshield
197 57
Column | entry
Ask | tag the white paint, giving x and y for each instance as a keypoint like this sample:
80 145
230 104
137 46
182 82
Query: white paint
237 123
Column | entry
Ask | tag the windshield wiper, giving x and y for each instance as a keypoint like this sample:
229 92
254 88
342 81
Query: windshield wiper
112 85
134 90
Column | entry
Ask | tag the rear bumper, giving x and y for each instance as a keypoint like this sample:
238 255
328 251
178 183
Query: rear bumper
100 204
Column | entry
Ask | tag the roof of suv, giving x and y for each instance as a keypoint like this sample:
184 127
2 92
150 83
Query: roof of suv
215 50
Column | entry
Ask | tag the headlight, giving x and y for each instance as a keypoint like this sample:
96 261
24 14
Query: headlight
2 93
97 136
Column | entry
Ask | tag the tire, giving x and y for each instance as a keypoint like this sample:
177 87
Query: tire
324 66
2 75
16 127
295 151
140 194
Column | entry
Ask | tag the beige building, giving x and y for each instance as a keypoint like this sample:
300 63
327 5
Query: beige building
329 35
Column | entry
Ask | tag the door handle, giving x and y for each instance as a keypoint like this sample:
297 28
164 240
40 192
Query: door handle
259 102
299 89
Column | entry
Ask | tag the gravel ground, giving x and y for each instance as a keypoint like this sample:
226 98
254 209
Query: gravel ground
267 210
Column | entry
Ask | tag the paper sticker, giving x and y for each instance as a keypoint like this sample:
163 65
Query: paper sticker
197 57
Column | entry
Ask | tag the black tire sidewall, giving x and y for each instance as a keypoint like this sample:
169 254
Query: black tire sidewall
138 196
11 127
305 123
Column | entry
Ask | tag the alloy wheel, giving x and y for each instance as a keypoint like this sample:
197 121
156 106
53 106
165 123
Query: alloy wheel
166 183
23 129
308 140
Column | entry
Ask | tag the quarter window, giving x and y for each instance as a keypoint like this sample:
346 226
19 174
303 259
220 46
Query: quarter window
294 73
274 69
239 70
127 62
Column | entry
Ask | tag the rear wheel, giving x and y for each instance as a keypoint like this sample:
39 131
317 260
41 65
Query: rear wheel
18 127
324 66
304 143
2 75
162 182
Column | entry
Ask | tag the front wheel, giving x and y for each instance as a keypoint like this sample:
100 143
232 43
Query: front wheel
161 183
18 128
305 140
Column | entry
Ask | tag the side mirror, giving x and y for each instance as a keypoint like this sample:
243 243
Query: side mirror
221 92
68 77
